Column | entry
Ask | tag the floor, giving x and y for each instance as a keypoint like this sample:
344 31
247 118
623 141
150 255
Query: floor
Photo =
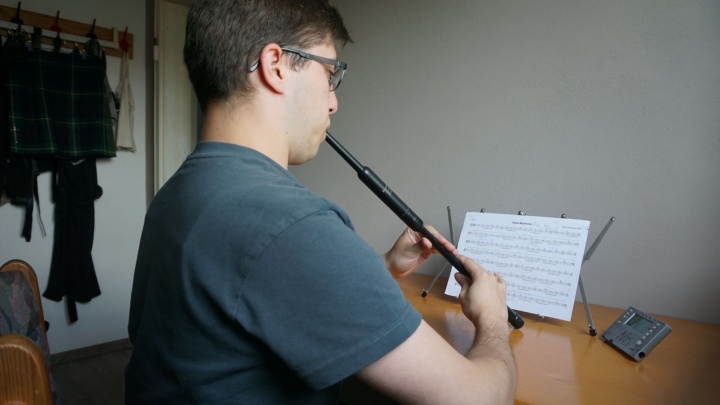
92 375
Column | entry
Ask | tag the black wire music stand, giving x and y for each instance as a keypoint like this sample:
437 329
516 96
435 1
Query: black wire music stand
586 257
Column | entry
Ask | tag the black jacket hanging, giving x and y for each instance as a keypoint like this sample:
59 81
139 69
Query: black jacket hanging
72 272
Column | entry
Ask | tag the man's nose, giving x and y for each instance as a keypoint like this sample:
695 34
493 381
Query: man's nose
333 103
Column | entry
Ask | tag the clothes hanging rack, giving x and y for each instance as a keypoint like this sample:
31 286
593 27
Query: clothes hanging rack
73 33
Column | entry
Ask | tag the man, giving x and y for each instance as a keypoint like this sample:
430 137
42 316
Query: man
249 288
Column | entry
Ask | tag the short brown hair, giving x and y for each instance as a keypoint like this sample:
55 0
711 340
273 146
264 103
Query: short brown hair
223 38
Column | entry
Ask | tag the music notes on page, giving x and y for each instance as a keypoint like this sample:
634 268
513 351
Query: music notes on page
539 258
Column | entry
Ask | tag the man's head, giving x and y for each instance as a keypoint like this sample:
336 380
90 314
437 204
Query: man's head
224 39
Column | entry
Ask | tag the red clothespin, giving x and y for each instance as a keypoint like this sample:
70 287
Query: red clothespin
124 44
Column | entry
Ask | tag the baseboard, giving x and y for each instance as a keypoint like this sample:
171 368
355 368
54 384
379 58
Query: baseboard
91 351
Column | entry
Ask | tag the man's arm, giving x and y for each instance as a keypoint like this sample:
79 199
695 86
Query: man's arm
425 369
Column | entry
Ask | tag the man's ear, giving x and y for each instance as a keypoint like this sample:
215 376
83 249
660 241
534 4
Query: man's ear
272 71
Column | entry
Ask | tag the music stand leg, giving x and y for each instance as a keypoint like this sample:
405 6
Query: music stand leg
593 332
427 289
452 240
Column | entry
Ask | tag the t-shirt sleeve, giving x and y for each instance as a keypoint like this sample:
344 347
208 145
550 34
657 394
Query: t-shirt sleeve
321 299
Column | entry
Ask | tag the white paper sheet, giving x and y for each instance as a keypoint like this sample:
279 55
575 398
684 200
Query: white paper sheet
539 258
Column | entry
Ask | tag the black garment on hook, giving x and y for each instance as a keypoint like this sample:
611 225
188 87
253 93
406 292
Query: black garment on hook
72 272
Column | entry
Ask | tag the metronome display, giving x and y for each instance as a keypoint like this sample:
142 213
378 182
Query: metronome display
636 333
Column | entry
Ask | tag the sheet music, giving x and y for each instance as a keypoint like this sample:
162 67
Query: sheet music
539 258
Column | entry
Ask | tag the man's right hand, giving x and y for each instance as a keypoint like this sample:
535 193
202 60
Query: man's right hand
483 298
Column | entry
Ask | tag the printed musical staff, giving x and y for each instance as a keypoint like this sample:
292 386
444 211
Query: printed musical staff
529 239
519 256
514 297
533 230
527 248
538 257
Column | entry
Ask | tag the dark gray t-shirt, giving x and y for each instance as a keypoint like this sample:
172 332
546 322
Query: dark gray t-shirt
249 288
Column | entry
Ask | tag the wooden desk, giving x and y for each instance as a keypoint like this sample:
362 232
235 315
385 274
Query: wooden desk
560 363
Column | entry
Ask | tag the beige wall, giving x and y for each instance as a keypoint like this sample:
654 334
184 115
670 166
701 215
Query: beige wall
589 108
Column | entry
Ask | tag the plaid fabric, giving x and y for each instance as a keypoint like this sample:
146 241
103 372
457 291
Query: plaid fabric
57 104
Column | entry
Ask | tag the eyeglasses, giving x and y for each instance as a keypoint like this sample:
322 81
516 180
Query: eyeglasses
335 77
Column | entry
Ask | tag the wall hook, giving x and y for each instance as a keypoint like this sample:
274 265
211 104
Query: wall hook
124 44
17 18
91 34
